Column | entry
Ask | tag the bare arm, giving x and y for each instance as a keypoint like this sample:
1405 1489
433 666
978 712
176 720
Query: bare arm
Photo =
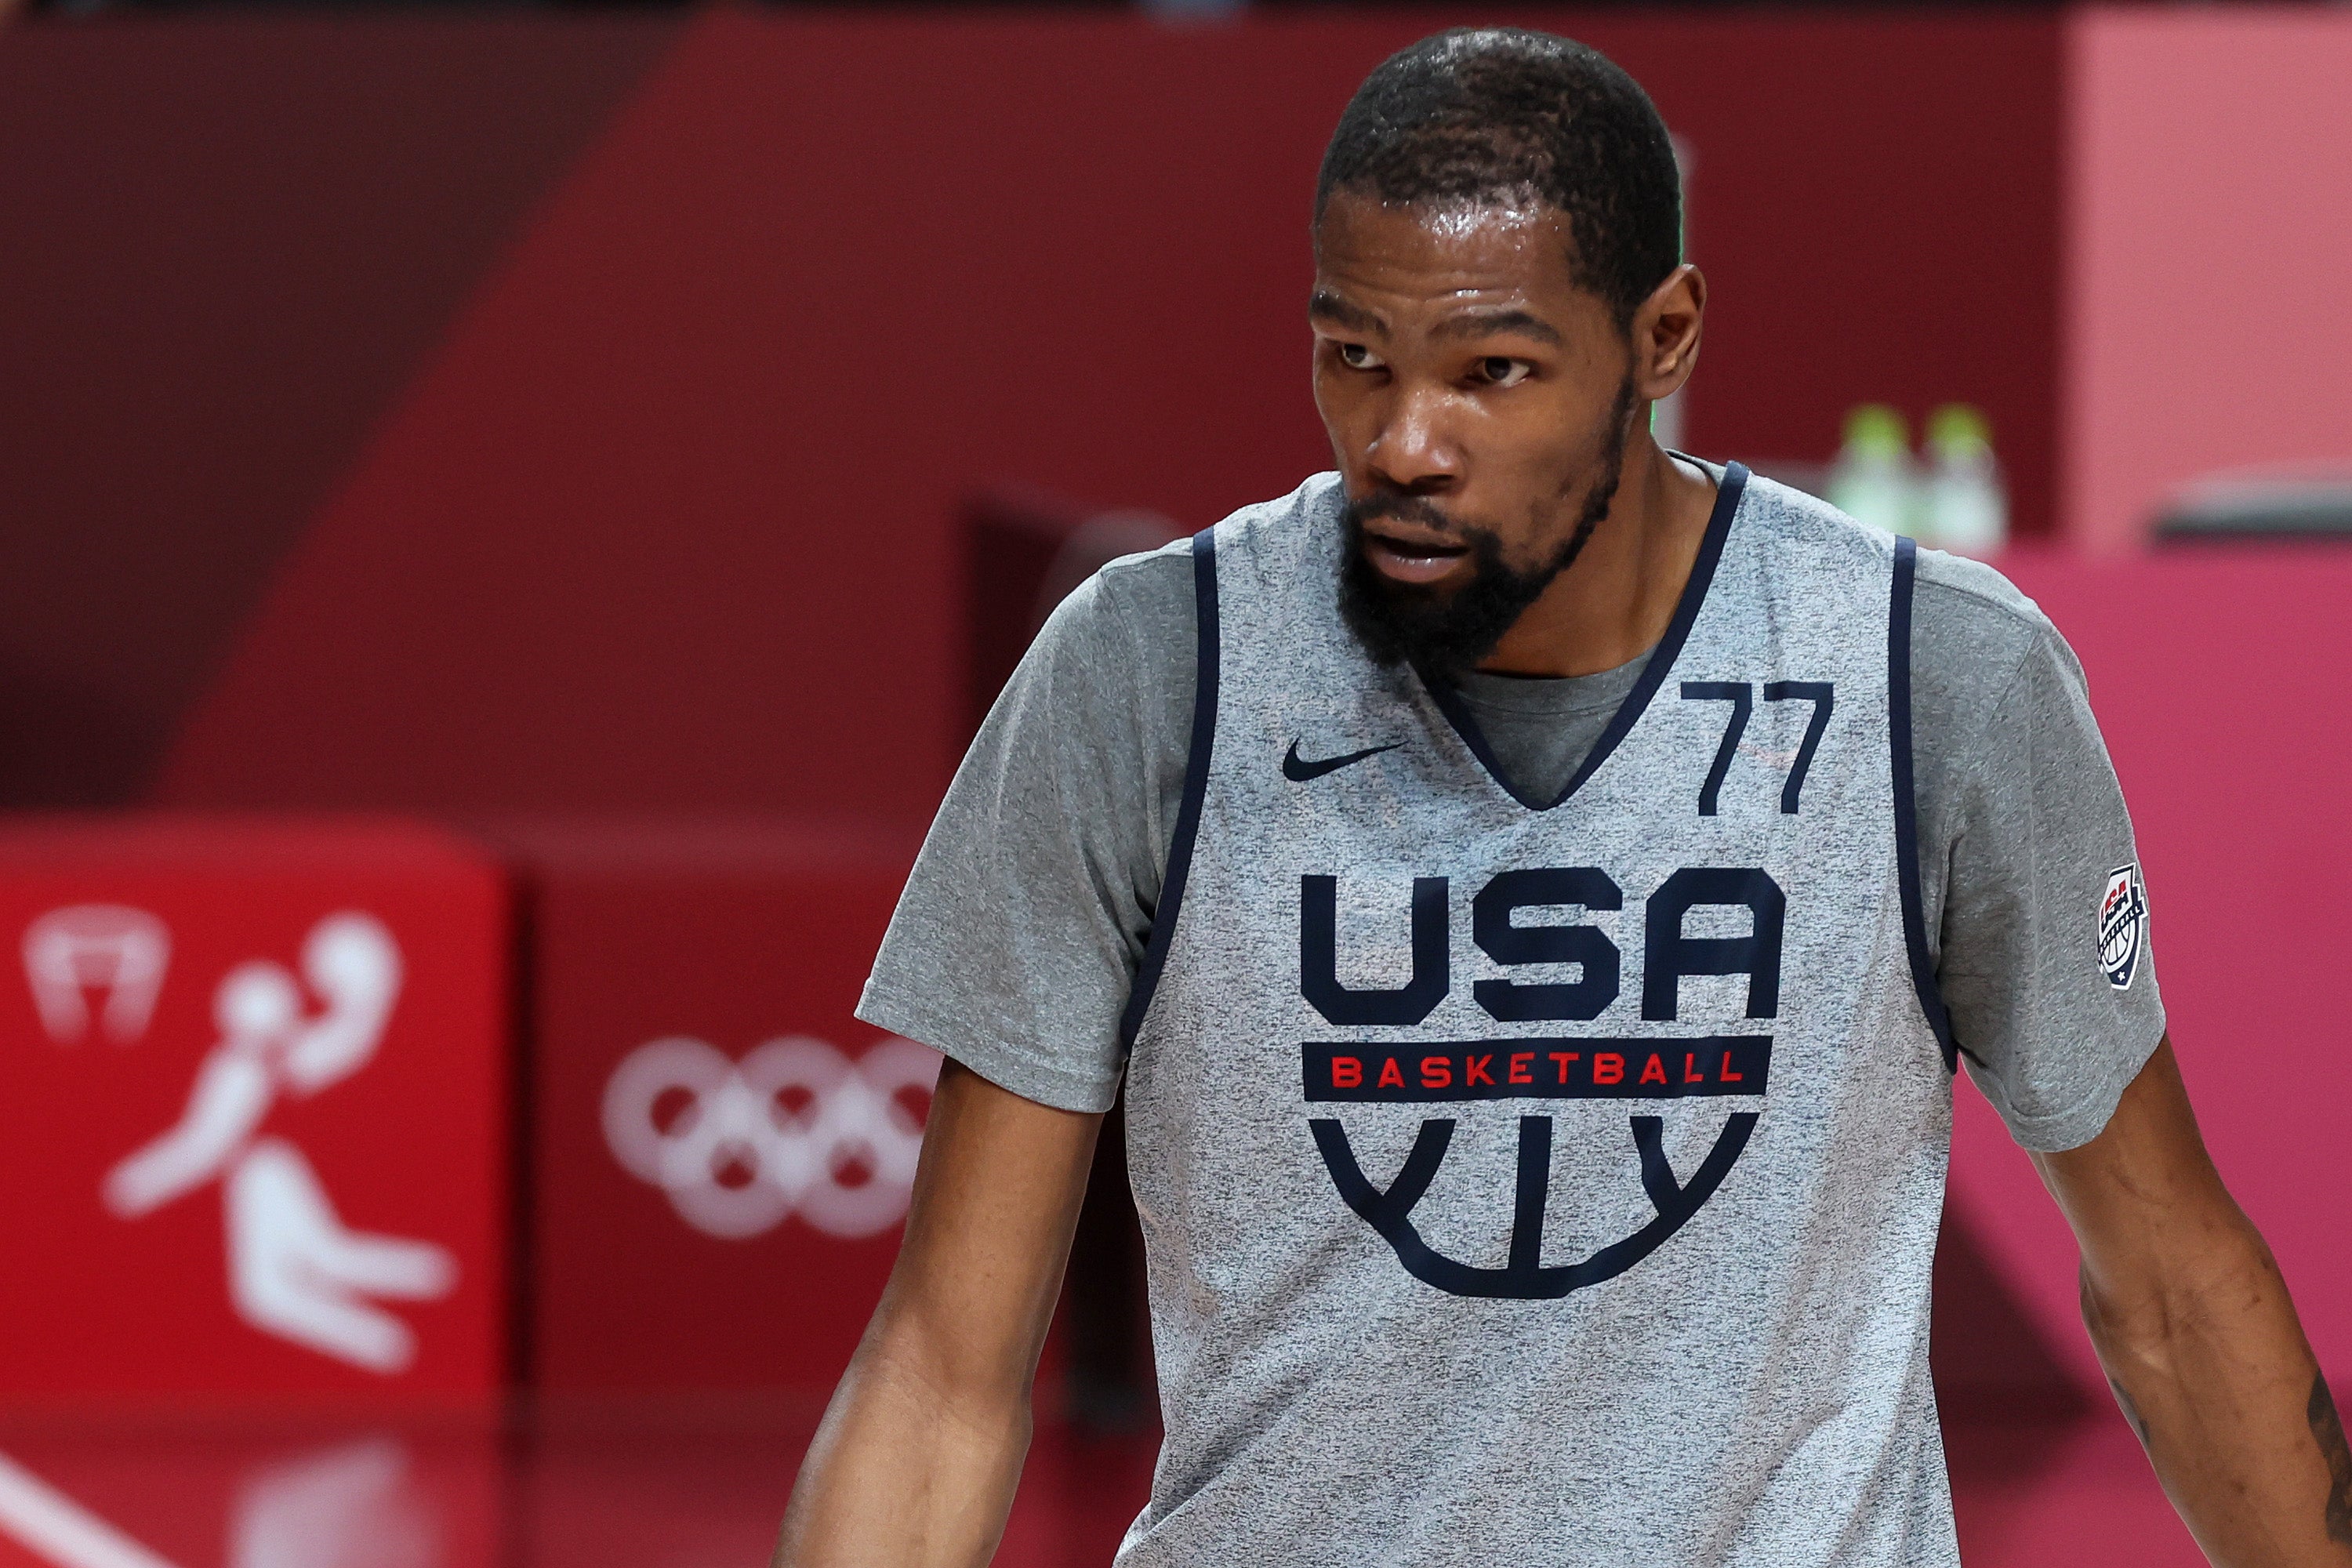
915 1463
2192 1322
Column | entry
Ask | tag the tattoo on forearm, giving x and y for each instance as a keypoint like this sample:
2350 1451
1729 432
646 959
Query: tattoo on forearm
2327 1431
2131 1411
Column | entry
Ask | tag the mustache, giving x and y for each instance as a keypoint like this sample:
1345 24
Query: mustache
1402 507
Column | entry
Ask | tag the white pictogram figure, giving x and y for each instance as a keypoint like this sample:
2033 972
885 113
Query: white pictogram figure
294 1271
257 1010
795 1125
70 953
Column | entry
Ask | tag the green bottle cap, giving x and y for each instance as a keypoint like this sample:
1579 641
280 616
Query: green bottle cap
1958 430
1877 430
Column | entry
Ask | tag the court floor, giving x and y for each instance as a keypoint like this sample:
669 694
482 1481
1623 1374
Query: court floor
670 1487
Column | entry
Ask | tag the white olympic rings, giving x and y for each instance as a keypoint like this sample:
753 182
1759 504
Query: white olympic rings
745 1150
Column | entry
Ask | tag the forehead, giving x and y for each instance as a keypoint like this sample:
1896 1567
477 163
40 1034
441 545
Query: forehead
1435 251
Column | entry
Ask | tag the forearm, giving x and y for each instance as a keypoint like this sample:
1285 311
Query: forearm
2192 1322
901 1473
916 1461
2212 1368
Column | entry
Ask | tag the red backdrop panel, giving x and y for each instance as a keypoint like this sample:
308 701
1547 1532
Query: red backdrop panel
254 1141
712 1210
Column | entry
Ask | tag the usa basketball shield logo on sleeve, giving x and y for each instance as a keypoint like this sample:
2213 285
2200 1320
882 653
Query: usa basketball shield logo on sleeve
2123 925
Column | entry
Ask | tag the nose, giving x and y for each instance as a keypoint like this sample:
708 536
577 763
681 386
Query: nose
1412 451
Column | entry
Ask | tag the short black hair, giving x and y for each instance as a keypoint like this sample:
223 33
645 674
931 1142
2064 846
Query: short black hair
1502 114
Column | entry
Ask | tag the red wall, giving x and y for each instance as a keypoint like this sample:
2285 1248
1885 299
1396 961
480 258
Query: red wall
2209 229
231 242
378 478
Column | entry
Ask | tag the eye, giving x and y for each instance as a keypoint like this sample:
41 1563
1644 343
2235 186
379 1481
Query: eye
1356 356
1498 370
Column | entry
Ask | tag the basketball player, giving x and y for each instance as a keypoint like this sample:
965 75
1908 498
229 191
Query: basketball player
1536 887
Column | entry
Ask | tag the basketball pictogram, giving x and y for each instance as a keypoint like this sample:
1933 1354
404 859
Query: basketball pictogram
794 1127
295 1269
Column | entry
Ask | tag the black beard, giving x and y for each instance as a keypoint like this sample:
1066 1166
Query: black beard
1441 635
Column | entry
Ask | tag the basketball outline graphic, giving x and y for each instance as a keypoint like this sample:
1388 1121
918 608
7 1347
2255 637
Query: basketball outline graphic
2123 925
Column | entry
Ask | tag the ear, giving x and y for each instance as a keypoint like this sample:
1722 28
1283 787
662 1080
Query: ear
1666 333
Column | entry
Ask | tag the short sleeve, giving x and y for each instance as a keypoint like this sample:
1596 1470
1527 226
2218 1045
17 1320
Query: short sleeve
2035 835
1015 942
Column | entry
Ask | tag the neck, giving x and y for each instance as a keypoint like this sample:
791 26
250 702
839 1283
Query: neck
1614 603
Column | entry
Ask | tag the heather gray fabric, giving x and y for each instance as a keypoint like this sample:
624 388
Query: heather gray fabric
1015 944
1716 1352
1546 1183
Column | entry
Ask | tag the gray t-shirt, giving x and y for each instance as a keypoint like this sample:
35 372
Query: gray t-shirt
1016 942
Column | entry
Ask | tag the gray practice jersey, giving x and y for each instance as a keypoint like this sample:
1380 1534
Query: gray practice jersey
1524 1178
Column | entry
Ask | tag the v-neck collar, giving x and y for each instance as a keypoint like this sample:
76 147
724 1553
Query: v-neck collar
1653 674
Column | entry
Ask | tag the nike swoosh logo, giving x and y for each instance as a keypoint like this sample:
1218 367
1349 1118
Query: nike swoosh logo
1299 770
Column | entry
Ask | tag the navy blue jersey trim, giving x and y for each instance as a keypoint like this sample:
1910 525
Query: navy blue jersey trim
1906 805
1653 674
1196 787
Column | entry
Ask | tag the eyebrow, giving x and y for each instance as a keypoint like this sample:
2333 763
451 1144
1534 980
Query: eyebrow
1327 306
1330 306
1482 323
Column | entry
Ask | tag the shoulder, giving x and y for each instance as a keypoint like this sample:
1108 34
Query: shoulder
1147 578
1138 610
1972 628
1996 693
1964 616
1792 518
1806 554
1140 614
1124 646
1266 521
1975 638
1268 545
1955 590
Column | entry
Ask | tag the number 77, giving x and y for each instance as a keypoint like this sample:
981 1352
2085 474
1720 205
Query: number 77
1741 695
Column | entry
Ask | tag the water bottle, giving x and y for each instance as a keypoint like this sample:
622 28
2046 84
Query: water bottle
1872 479
1965 509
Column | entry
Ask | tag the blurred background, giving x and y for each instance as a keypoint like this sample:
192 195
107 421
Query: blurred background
510 514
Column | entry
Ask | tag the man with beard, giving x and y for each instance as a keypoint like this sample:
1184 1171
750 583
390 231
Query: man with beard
1536 887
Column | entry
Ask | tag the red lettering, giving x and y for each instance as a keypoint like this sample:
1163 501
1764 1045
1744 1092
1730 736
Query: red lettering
1390 1076
1727 1076
1436 1072
1652 1072
1690 1068
1475 1071
1608 1067
1347 1072
1520 1063
1563 1058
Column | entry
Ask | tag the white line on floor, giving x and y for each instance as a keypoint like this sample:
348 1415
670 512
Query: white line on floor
59 1529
